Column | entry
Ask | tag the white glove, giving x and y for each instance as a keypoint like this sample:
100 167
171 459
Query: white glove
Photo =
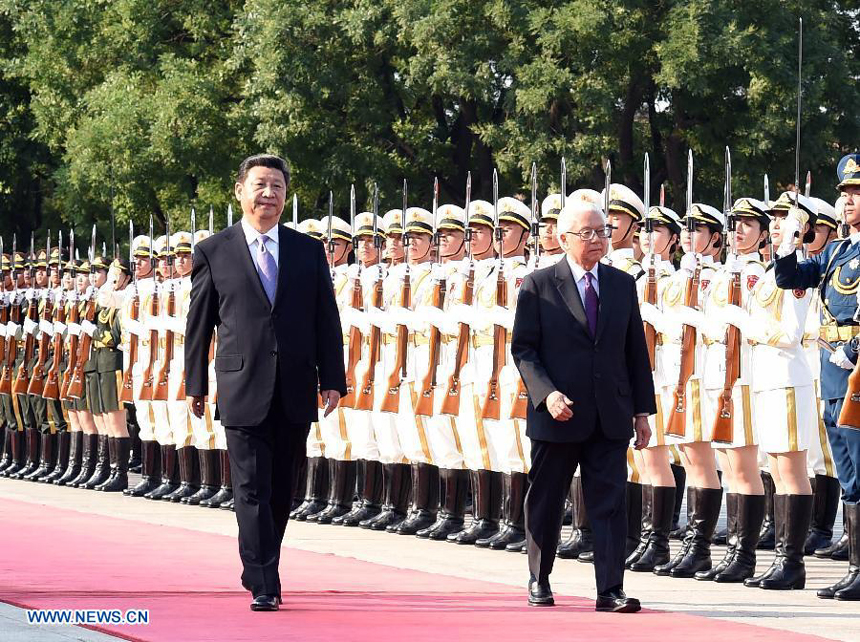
652 315
74 329
352 271
733 265
11 329
46 327
688 262
2 330
502 317
691 317
59 328
435 317
133 326
402 316
88 327
839 358
438 272
791 227
30 326
737 317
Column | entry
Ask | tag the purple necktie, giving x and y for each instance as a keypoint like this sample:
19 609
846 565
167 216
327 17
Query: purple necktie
267 268
591 303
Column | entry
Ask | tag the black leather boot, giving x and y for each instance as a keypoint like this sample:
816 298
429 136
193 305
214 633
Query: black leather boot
581 539
46 457
849 587
150 470
662 509
644 528
680 476
6 459
451 519
101 472
791 571
825 503
370 503
225 493
730 540
634 516
64 441
838 550
515 488
18 453
73 467
747 530
695 555
398 488
189 484
487 491
112 460
208 460
341 495
316 489
767 540
31 449
169 474
331 468
88 461
119 481
425 500
779 502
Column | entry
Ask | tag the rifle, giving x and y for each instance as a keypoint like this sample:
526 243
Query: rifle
13 313
677 424
127 392
159 392
520 400
723 429
491 408
451 402
76 385
651 279
357 303
37 380
146 390
51 388
391 402
424 405
22 377
364 396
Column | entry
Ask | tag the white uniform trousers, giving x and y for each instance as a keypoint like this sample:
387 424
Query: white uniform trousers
143 409
214 424
443 434
385 423
360 426
334 434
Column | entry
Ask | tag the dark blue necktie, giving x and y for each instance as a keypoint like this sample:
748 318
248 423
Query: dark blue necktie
591 303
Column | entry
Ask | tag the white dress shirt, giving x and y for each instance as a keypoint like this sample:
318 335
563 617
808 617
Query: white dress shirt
252 237
579 277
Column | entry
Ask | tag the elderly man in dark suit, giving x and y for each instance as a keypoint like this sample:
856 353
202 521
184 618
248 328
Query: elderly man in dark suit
267 290
579 345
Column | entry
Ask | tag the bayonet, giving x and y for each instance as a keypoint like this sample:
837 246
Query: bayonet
468 212
211 220
436 239
295 211
727 204
92 252
649 223
330 239
799 102
606 189
536 214
230 215
807 191
496 228
403 223
766 191
193 228
563 181
112 227
151 244
131 265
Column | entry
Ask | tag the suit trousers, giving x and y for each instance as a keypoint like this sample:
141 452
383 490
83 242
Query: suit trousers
603 466
264 463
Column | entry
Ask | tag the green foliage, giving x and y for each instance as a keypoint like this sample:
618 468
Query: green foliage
147 106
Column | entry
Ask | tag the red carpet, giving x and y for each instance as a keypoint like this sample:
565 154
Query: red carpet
189 581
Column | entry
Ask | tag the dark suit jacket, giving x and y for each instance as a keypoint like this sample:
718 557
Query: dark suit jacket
608 378
298 337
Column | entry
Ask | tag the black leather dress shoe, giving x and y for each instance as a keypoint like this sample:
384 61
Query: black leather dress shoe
615 601
540 594
265 603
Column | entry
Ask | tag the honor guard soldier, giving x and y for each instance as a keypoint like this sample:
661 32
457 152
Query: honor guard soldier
785 413
107 383
151 317
364 276
47 325
396 470
342 467
626 212
7 424
660 239
223 498
443 432
822 470
836 273
684 420
474 438
317 478
136 309
22 443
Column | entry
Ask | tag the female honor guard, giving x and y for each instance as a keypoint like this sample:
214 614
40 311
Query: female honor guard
785 413
108 358
685 420
660 240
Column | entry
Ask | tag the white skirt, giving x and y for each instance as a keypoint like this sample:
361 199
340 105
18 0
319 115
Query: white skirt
787 418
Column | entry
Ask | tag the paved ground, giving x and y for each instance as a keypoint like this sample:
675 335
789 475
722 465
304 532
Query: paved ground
798 611
14 628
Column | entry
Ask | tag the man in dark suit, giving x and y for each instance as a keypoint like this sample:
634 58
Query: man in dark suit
267 290
579 345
